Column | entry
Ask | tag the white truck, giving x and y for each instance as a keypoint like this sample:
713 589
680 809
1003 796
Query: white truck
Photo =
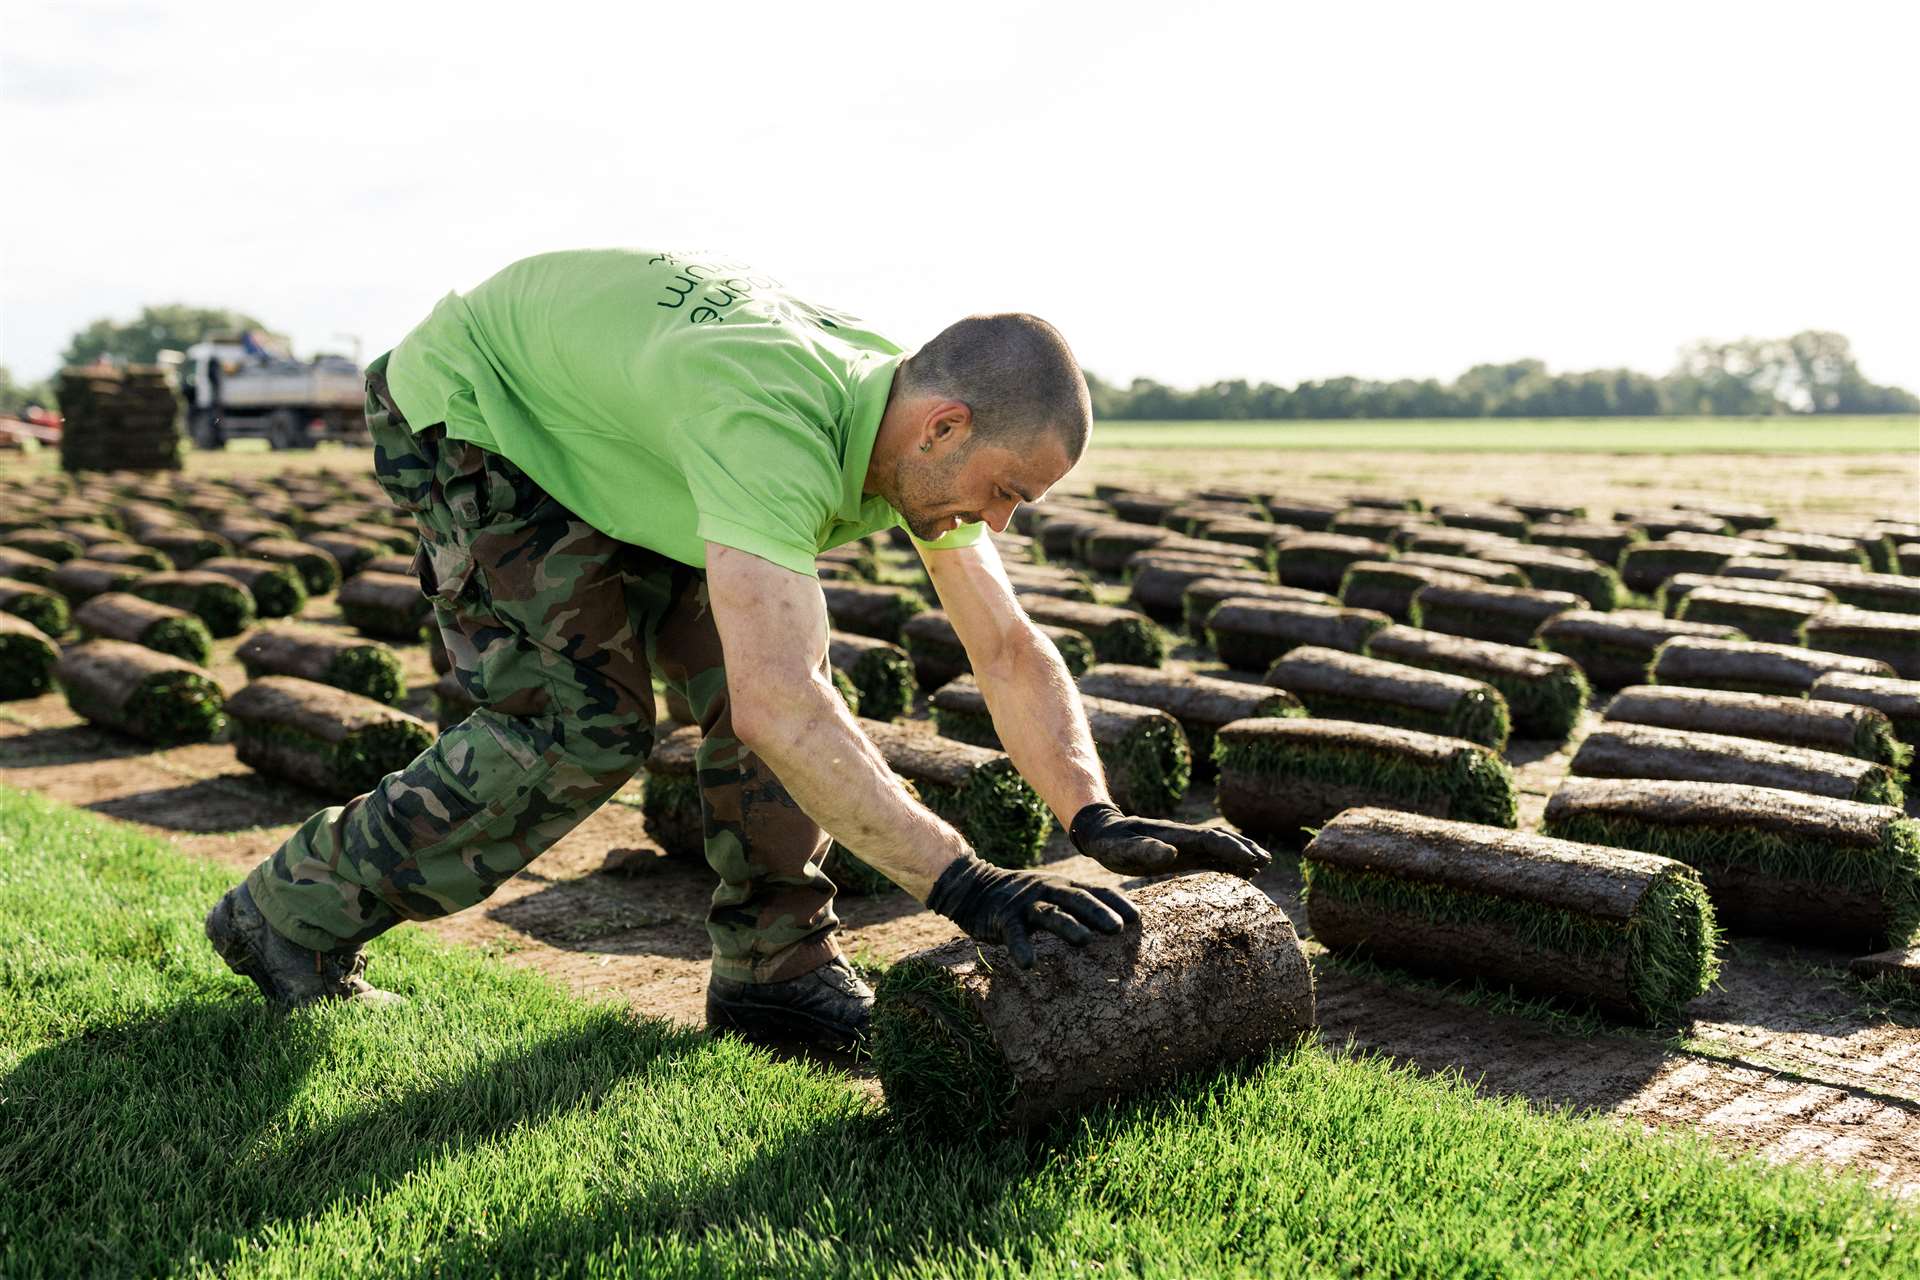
249 387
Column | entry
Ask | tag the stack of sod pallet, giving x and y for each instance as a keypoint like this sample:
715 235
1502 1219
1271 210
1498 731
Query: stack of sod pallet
119 419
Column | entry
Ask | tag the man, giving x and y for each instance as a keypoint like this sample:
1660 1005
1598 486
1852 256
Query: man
624 464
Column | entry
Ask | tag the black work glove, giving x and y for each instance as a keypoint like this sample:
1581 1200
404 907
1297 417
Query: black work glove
1148 847
994 904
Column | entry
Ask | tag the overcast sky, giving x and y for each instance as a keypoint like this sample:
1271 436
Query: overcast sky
1190 191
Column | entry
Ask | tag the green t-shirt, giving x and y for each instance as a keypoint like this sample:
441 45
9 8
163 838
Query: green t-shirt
669 400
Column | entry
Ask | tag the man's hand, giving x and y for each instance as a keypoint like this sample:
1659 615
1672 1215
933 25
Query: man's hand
1147 847
993 904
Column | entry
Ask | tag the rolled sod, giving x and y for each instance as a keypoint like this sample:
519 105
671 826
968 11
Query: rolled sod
934 649
1389 585
1746 667
1200 703
1438 540
1385 501
277 589
1875 592
1144 752
1395 528
1350 686
360 666
1807 868
966 1043
1545 692
976 789
334 742
1660 525
1506 521
83 579
1278 778
860 557
870 610
48 544
386 606
1249 634
92 532
1738 516
1676 589
1501 575
1815 546
128 553
1504 615
1117 635
1898 699
121 615
1314 517
1768 617
1567 570
1105 547
1892 638
1641 751
28 657
1615 649
350 551
44 607
1604 542
1136 507
1318 561
1256 534
24 566
1045 579
1630 933
141 692
393 537
1645 565
1202 594
1862 732
1158 588
186 547
1060 536
882 673
1535 508
319 571
223 604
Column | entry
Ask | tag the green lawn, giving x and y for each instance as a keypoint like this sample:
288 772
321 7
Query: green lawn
155 1119
1533 435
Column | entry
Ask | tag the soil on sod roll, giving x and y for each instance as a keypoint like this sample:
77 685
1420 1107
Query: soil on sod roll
1815 546
1144 752
1389 585
1630 933
1806 868
48 544
349 550
24 566
28 657
1878 592
1545 692
1134 507
1158 589
1615 649
334 742
1248 634
187 547
1202 594
1318 561
1862 732
387 562
1767 617
277 589
1536 508
1045 579
1117 635
965 1042
1501 575
360 666
127 553
386 606
223 604
1059 536
1278 778
121 615
1617 750
1438 540
1504 615
1105 547
1567 570
934 649
1348 686
882 673
976 789
870 610
83 579
1604 542
1892 638
1505 521
1674 591
1312 516
1200 703
1747 667
1645 565
319 571
44 607
1899 700
141 692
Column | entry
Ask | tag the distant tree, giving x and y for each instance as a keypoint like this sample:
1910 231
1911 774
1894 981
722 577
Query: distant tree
16 396
174 326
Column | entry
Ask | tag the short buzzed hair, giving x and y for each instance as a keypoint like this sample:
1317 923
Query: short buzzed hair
1014 371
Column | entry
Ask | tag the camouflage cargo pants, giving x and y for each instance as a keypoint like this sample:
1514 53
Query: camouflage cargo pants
555 631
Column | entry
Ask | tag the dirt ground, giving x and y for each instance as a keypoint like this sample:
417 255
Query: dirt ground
1784 1057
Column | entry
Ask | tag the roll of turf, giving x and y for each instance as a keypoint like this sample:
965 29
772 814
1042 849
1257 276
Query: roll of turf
1604 542
1200 703
386 606
1862 732
1806 868
1105 547
1545 692
1385 501
82 579
1486 518
861 557
1876 592
223 604
1249 634
1820 547
363 667
1256 534
1318 561
1892 638
1464 564
277 589
1117 635
1907 558
1504 615
1144 752
1158 588
1311 515
1630 933
48 544
1565 570
319 571
44 607
23 566
1347 686
1661 525
1059 536
1536 508
1899 700
1768 617
393 537
882 673
334 742
1393 527
1278 778
350 551
870 609
1388 586
976 789
1615 649
1738 516
241 529
28 657
121 615
966 1043
141 692
1046 579
1642 751
1675 590
1746 667
1136 507
91 533
127 553
934 649
1202 594
187 547
1645 565
1461 543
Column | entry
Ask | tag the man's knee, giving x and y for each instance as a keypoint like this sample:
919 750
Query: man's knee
601 757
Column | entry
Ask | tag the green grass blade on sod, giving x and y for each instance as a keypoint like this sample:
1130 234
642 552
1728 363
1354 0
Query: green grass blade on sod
28 657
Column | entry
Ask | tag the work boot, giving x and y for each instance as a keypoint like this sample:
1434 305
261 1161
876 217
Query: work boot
288 974
828 1008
